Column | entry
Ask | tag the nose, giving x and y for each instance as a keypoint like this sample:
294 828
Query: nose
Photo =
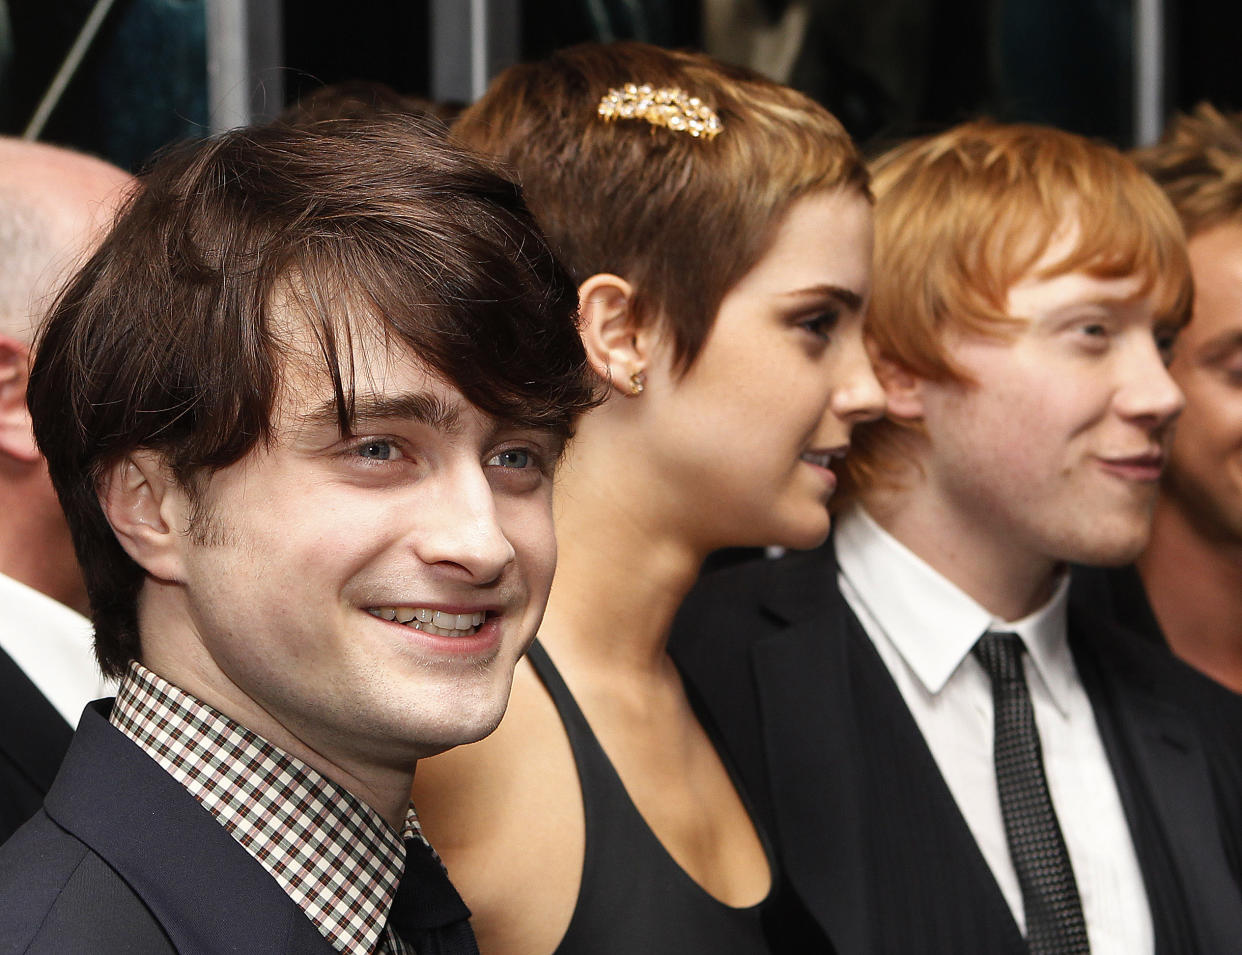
459 529
858 395
1147 394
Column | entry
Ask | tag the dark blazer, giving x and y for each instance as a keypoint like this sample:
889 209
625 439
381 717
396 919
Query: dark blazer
33 740
122 859
1118 594
867 830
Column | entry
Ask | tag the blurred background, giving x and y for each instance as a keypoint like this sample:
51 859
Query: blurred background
121 78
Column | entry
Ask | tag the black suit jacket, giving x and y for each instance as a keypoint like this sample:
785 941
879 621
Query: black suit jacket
867 830
33 740
122 859
1118 594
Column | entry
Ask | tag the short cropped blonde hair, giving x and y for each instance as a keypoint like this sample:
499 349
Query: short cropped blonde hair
1198 164
964 215
680 218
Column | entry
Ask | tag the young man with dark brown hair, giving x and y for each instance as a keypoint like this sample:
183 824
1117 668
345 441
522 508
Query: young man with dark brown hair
302 408
951 759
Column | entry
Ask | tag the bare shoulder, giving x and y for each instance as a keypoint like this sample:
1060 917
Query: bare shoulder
506 816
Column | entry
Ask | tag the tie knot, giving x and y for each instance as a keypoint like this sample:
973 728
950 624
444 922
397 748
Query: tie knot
1001 656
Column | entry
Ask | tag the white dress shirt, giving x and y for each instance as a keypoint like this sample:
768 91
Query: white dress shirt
52 646
924 628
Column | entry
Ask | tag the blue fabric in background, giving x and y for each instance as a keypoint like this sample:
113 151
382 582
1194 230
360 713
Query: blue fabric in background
142 85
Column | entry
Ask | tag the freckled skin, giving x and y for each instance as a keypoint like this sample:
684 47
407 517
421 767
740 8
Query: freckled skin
1025 468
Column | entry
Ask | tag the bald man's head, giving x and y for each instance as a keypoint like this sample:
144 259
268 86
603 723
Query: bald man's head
54 205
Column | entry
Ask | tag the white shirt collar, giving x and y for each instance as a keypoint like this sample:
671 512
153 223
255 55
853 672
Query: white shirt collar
52 645
931 622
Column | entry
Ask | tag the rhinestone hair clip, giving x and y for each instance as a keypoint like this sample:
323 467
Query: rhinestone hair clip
669 107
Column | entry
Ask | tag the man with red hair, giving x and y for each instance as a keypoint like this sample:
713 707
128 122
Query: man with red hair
950 759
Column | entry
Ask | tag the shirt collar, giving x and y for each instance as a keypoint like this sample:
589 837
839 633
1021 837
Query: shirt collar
333 855
51 644
932 623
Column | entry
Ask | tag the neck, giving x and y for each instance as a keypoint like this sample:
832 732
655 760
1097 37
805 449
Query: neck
172 650
1194 584
623 568
1006 581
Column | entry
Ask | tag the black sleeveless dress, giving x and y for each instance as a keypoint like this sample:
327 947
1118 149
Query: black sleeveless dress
634 898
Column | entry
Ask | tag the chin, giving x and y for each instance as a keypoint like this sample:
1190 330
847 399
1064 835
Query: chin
448 735
806 537
1112 550
459 716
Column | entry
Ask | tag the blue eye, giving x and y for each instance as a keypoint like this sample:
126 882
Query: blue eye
513 458
821 325
377 450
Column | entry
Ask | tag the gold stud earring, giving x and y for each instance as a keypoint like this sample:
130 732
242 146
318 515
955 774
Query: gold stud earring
638 383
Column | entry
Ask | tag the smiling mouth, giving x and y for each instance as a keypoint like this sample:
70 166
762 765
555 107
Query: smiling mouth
435 622
1144 468
824 458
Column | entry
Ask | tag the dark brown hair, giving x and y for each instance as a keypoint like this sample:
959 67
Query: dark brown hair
681 218
362 99
166 339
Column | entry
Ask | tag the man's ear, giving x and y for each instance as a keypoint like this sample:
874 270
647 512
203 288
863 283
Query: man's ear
146 508
903 390
16 436
615 345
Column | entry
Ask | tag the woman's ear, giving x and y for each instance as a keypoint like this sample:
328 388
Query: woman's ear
146 507
615 345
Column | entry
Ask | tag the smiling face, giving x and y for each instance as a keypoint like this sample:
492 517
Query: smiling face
362 597
752 429
1204 479
1054 453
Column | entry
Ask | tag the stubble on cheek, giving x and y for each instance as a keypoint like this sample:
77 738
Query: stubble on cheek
207 528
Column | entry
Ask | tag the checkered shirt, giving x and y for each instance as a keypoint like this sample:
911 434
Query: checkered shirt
334 856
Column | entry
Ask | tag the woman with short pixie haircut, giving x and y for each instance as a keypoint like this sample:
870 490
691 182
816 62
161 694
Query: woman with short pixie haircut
719 227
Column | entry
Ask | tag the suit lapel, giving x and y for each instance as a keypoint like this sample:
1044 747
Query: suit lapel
805 701
855 834
1156 756
35 736
207 893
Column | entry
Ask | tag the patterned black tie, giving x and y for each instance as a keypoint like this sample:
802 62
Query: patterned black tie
1054 921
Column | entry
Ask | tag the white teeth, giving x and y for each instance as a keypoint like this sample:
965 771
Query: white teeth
823 459
432 621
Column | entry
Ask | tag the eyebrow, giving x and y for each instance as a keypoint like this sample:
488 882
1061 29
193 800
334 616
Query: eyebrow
1221 347
846 297
415 406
